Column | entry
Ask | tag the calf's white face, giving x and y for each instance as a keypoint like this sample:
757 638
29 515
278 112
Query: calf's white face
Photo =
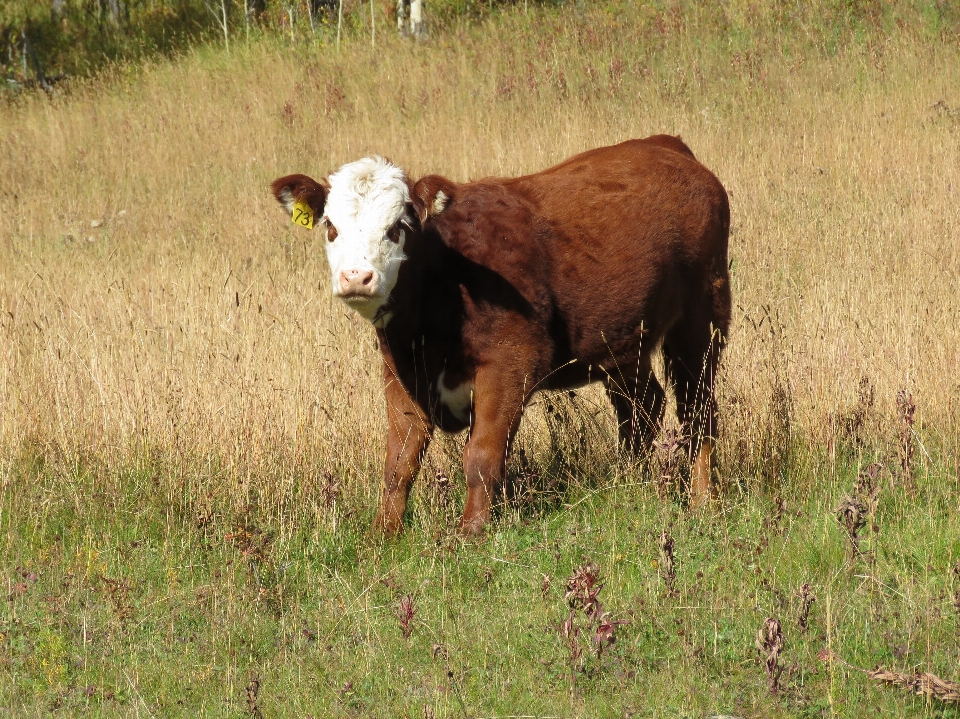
364 233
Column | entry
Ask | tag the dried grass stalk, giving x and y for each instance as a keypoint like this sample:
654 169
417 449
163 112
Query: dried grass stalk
921 683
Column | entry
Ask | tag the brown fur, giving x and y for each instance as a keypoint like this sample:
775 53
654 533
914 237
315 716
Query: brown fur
549 281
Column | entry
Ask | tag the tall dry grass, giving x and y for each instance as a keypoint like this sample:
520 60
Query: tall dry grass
193 334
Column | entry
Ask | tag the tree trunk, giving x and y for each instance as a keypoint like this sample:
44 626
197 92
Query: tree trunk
113 7
226 35
37 67
339 22
416 18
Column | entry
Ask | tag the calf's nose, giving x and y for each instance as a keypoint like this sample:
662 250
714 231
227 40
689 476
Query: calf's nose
356 282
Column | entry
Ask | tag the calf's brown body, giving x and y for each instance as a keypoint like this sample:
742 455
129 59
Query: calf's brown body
548 281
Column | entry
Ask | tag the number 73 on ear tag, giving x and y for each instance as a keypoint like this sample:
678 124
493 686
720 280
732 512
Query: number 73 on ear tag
302 214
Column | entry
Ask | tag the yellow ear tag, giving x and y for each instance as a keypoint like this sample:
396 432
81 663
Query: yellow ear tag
302 214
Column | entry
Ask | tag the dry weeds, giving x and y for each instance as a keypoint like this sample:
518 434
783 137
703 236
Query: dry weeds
665 565
157 309
769 643
920 683
807 598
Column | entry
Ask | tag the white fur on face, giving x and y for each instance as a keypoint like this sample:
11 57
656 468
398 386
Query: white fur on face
366 199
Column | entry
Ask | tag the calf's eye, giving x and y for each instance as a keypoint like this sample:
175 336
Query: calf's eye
331 230
395 234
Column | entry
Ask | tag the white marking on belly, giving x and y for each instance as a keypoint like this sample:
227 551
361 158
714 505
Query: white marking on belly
458 400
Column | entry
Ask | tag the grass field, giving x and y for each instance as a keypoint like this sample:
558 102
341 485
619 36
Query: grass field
191 428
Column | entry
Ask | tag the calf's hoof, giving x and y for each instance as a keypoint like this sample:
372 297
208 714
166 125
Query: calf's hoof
472 527
702 489
700 500
386 527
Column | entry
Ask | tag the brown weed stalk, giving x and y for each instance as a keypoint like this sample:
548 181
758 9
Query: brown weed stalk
406 612
330 489
668 452
920 683
545 583
867 489
119 592
854 423
770 644
583 589
773 522
777 433
859 507
666 566
253 690
906 408
852 515
571 636
583 595
956 592
807 598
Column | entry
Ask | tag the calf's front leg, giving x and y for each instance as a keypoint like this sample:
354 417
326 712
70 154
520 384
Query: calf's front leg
408 435
498 404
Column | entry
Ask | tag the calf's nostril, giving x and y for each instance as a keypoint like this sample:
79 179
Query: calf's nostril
353 281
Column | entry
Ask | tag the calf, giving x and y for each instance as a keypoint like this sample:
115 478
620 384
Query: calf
484 292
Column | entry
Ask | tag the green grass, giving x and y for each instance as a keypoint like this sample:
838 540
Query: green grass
122 602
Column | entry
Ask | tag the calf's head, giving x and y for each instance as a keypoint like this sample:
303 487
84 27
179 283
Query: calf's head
364 213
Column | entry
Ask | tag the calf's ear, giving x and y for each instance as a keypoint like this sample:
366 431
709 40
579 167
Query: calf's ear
299 188
431 196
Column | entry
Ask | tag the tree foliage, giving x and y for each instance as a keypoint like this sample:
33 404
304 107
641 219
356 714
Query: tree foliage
42 41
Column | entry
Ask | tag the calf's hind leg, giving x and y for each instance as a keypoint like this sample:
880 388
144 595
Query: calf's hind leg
638 400
692 353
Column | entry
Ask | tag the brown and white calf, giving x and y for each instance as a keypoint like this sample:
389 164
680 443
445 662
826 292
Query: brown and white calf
484 292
